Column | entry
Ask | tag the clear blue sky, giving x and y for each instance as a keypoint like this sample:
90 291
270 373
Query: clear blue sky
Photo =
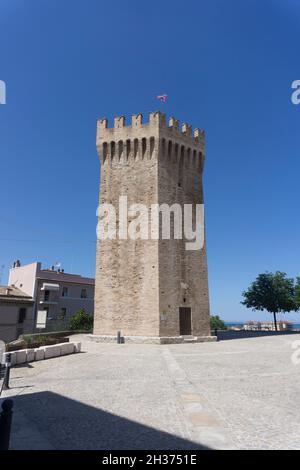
227 67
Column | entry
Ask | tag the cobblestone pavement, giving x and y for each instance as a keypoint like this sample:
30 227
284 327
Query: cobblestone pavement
240 394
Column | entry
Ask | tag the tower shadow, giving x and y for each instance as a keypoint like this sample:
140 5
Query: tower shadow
67 424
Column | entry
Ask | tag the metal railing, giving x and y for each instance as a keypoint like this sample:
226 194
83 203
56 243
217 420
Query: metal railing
223 335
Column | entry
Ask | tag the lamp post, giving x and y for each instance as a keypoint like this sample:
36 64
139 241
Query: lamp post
7 371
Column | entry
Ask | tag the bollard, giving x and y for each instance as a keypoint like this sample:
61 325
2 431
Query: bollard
119 337
5 423
7 372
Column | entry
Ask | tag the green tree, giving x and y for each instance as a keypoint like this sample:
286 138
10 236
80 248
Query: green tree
274 293
81 321
297 292
216 323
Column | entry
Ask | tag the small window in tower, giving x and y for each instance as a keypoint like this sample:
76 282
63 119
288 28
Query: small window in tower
104 151
152 143
120 148
144 146
135 147
169 149
112 149
128 147
182 152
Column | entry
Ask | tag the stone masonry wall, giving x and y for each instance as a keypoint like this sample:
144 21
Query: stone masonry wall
183 278
126 296
139 283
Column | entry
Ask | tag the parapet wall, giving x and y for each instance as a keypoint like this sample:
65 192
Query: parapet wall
144 140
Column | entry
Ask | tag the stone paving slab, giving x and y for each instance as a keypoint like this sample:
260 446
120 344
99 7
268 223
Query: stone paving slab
240 394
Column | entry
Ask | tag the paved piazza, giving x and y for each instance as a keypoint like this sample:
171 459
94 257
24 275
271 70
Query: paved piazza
240 394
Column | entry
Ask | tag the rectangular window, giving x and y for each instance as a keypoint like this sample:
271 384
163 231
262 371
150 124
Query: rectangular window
65 292
22 315
63 313
83 293
46 295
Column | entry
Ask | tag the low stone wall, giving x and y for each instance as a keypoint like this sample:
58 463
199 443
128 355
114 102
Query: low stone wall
153 339
44 352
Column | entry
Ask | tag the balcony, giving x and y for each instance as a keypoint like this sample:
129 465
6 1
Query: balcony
50 287
48 302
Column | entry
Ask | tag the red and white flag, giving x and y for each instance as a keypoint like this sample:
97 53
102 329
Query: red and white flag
162 98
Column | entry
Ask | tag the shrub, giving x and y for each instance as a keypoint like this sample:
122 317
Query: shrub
216 323
81 321
34 341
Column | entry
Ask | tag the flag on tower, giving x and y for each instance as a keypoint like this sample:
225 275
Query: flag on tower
162 98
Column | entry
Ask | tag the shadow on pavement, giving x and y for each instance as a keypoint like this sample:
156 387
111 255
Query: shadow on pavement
69 424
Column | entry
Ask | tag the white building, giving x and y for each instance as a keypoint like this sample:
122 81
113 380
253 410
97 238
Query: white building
58 293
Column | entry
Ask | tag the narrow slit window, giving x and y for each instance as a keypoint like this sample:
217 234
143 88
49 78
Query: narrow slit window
136 147
112 149
144 147
120 148
152 143
169 149
128 148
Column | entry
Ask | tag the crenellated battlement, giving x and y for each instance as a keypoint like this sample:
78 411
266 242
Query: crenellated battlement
156 120
145 140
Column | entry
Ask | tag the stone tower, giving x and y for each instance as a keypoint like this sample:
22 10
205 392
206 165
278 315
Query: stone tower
150 290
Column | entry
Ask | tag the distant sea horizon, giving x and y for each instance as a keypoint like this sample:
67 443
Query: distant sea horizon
295 325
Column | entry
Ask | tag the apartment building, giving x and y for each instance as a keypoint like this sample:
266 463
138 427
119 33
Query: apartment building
54 291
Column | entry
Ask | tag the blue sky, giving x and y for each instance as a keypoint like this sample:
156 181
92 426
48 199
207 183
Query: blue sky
227 67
